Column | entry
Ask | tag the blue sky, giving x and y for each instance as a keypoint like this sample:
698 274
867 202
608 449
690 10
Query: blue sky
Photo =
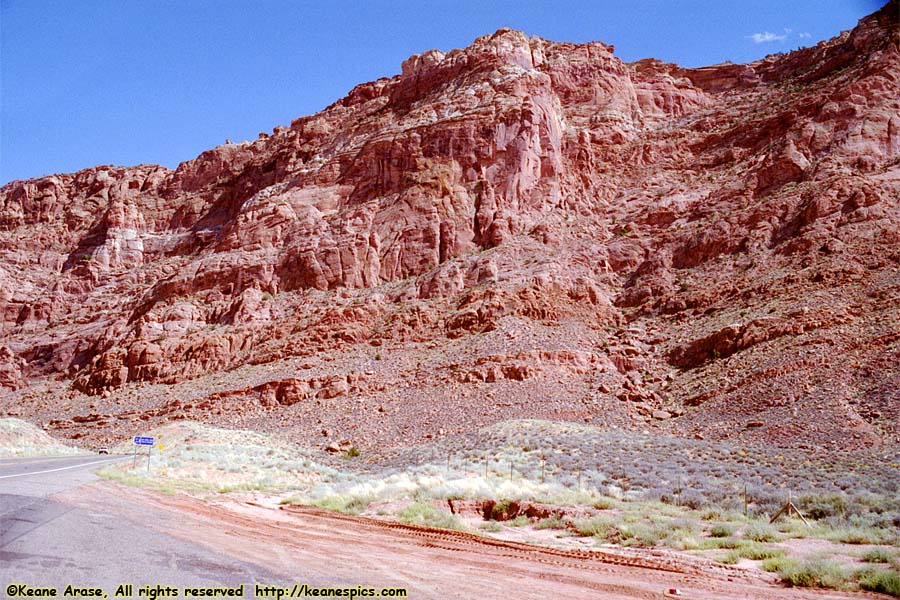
86 82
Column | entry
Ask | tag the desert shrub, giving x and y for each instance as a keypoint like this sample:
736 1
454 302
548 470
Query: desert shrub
554 522
760 532
501 507
721 531
519 521
692 499
763 501
664 495
813 573
604 503
821 506
728 543
427 515
680 533
879 580
261 486
349 505
778 563
878 555
565 497
757 551
711 514
795 528
491 526
597 526
856 535
686 542
887 519
850 481
729 558
635 534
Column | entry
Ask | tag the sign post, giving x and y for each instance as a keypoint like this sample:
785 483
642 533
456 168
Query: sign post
144 441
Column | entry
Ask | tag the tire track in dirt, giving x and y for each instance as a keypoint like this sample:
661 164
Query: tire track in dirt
439 564
464 541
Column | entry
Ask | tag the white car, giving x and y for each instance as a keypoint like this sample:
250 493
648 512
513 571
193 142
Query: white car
103 450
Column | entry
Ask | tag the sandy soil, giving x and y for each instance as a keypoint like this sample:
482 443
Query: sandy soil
298 541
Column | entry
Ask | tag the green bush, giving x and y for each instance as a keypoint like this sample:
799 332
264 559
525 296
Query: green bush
730 558
878 555
683 534
501 507
554 522
778 564
795 528
728 543
519 521
821 506
721 531
427 515
598 526
814 573
635 534
349 505
856 535
882 581
760 532
757 551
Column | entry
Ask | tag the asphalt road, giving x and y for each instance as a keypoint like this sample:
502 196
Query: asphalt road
47 541
17 468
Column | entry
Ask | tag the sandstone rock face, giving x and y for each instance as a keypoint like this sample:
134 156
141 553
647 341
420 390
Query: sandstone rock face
10 370
521 215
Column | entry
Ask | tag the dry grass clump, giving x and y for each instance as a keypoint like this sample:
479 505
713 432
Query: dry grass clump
812 572
880 555
761 532
881 581
857 535
823 573
757 551
427 515
348 505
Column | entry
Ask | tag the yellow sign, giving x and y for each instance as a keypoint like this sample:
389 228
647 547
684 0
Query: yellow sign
160 447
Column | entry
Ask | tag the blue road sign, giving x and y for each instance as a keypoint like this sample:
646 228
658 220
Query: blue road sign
143 441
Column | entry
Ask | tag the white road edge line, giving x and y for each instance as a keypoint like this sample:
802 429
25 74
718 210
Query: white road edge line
96 462
13 459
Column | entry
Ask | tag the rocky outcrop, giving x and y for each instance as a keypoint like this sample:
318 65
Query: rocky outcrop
736 337
525 365
515 194
10 370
